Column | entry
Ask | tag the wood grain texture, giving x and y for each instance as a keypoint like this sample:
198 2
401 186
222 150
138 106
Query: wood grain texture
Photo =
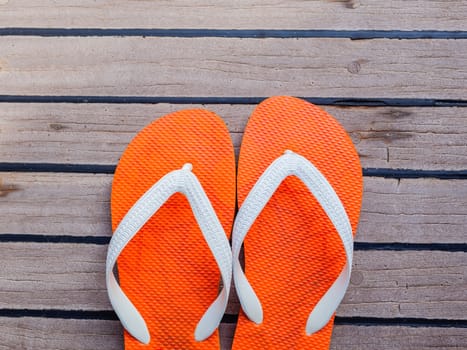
424 284
410 210
28 333
397 337
298 14
421 284
49 334
57 334
134 66
56 204
385 137
413 210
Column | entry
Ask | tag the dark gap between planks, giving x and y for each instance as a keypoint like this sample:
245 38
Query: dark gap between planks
110 169
358 246
232 319
235 33
328 101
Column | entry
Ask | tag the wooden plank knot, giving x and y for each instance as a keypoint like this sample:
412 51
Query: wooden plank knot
6 189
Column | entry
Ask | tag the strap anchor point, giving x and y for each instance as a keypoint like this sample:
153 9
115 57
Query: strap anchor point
187 167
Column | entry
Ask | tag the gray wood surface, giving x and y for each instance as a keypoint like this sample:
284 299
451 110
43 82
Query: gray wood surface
58 334
400 297
55 204
409 210
385 137
420 284
297 14
233 67
402 338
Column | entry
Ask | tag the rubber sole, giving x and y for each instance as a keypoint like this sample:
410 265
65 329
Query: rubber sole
167 270
293 254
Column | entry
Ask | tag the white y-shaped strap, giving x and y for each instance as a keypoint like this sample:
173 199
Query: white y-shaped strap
185 182
287 165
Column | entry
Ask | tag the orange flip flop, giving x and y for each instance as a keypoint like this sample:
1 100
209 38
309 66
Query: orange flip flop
299 189
174 185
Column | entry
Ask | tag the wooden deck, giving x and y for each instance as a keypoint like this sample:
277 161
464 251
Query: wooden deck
78 79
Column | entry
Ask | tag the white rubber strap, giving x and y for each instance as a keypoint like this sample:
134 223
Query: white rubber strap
185 182
292 164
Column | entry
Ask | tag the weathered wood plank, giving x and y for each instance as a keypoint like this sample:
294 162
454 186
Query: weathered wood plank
233 67
387 137
413 210
317 14
53 276
423 284
56 334
55 204
398 337
50 334
410 210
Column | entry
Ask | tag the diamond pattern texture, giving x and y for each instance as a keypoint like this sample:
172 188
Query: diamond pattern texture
168 270
293 253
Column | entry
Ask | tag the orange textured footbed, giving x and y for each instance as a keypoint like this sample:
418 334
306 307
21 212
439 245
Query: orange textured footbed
293 254
167 270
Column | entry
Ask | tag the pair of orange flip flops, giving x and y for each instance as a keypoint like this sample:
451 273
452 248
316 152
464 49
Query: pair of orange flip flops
298 187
